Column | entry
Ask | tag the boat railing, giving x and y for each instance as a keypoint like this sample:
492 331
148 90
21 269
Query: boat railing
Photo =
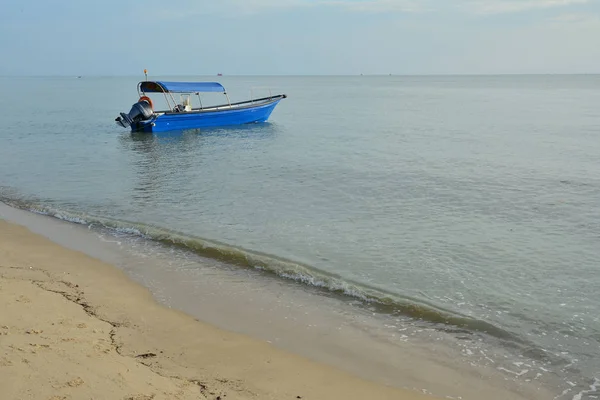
238 104
252 89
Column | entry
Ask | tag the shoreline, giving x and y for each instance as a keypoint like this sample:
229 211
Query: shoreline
416 367
75 326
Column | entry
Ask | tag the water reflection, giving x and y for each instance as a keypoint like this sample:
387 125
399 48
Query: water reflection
174 158
263 131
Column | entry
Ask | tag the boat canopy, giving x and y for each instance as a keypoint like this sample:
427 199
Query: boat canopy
180 87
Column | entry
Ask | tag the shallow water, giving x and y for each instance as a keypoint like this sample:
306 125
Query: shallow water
470 203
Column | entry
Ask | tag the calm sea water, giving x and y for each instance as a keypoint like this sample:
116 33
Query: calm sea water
468 203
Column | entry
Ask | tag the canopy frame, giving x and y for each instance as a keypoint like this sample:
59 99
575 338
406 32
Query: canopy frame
180 87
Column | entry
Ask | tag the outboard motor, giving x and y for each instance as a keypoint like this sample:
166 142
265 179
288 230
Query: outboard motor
140 111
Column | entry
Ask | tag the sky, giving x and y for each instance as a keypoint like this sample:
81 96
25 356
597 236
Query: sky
298 37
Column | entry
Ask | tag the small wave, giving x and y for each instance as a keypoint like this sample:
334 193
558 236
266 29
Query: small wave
380 300
593 389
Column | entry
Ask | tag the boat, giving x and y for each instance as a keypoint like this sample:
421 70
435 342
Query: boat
180 114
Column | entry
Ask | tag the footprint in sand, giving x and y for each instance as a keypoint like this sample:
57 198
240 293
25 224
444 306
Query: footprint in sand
5 362
140 397
75 382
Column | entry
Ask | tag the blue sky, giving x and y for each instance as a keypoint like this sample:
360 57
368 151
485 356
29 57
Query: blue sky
248 37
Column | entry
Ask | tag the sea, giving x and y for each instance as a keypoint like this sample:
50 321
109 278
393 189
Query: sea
464 210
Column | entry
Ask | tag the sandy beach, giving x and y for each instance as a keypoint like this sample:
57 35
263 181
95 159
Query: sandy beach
73 327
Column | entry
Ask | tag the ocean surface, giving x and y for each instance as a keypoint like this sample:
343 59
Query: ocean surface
470 204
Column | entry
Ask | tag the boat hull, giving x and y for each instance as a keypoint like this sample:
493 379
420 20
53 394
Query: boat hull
222 116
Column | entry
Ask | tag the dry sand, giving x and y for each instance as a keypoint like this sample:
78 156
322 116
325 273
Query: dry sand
72 327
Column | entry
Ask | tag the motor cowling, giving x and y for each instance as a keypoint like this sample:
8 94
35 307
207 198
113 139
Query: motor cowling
140 111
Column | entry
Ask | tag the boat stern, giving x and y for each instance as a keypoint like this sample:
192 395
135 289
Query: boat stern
141 112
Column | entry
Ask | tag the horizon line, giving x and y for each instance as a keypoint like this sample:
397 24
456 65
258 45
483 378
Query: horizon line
306 75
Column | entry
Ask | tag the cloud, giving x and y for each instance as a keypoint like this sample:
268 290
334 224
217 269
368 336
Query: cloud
515 6
380 5
576 18
187 8
155 9
351 5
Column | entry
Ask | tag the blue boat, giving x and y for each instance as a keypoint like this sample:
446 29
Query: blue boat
181 115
